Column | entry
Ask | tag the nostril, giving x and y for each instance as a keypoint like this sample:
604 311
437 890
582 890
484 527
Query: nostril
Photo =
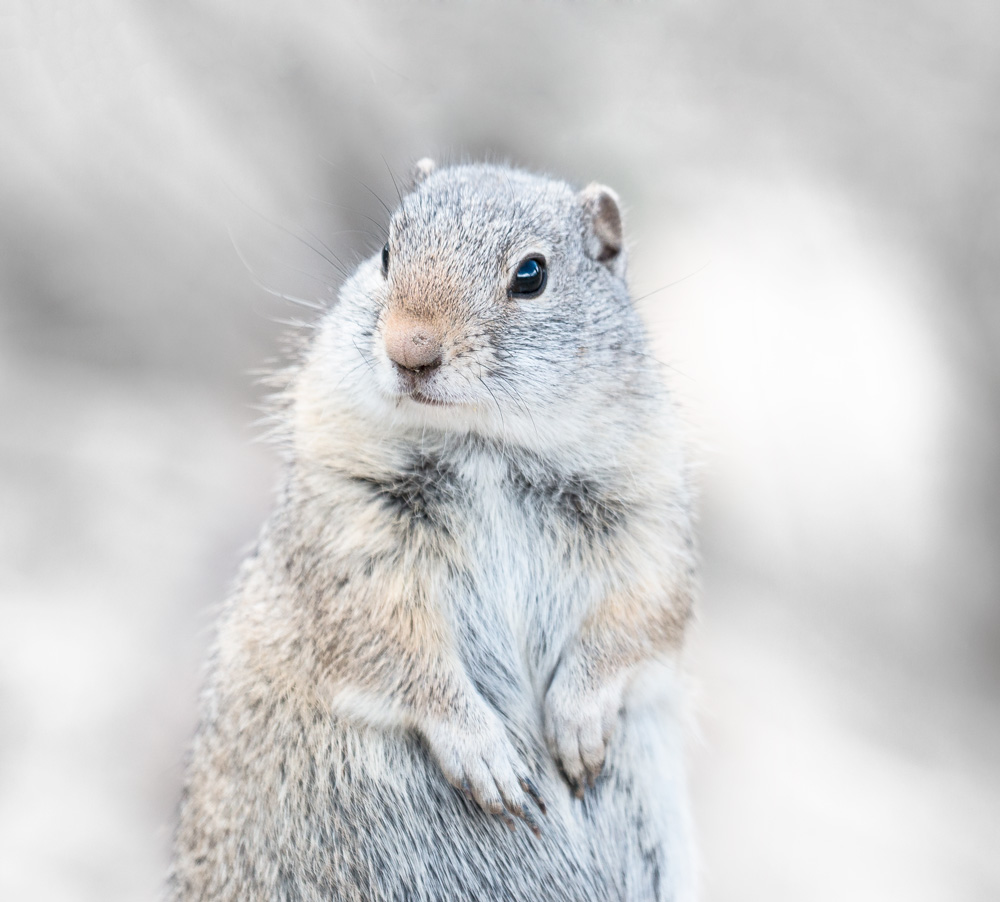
425 368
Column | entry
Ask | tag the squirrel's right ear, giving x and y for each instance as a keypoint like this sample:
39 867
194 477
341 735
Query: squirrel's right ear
603 234
421 170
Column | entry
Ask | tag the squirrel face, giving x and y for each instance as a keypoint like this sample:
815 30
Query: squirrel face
498 305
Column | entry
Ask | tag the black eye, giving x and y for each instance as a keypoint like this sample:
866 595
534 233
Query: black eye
385 259
529 280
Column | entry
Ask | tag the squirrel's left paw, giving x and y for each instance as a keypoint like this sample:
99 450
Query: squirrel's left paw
579 720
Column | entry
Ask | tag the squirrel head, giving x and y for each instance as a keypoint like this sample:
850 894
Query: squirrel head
498 306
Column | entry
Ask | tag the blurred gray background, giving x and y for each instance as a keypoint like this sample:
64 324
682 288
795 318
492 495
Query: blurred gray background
817 185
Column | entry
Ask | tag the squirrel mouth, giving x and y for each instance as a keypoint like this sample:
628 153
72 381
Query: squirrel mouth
414 385
418 396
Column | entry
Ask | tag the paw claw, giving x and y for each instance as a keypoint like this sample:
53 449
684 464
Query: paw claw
532 791
532 824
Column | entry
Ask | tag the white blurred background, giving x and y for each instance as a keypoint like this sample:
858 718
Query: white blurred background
820 183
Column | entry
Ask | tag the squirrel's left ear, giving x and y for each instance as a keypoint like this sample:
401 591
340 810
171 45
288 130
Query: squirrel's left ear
603 236
422 169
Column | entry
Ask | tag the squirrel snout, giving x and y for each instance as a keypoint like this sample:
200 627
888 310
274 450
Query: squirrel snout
413 345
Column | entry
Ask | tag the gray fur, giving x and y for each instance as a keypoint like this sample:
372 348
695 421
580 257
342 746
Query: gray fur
452 598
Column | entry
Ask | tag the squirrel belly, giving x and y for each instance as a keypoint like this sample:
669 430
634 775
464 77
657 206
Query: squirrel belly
449 668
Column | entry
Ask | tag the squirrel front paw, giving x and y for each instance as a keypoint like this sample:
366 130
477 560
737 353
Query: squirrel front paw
477 757
580 718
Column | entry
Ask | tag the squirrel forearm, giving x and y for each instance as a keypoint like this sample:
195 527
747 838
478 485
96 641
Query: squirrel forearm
388 660
627 627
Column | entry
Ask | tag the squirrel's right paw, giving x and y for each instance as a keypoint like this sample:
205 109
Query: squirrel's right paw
478 758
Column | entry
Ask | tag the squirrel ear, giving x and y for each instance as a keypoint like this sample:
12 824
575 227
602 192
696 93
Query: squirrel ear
422 169
603 227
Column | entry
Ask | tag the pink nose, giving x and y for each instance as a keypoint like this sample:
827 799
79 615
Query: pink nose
412 344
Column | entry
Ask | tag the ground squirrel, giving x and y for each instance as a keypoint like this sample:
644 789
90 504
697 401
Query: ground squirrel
448 670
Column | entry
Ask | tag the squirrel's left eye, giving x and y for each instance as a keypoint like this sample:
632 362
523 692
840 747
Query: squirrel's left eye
529 280
385 259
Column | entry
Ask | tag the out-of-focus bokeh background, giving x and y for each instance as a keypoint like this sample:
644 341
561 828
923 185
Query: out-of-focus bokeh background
816 183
